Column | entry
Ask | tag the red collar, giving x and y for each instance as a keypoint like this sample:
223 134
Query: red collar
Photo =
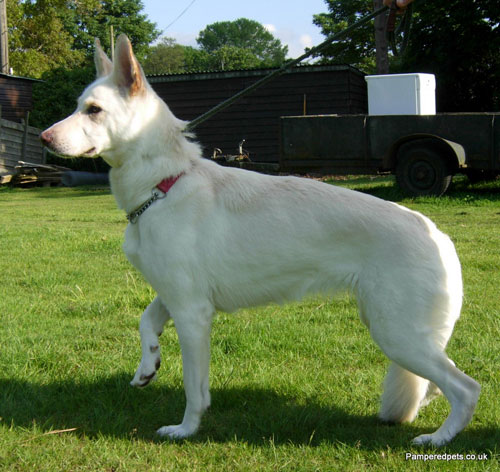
164 186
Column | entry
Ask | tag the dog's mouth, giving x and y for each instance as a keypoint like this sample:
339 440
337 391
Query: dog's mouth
90 153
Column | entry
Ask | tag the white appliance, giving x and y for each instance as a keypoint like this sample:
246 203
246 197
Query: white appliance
401 94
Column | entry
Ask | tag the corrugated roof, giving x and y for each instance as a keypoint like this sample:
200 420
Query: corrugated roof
8 76
204 75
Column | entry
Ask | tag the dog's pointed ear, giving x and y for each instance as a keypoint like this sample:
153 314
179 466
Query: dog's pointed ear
102 63
127 71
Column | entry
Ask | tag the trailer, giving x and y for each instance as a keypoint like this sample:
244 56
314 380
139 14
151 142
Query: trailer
423 151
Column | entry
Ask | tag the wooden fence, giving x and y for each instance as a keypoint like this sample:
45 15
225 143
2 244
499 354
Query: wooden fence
18 142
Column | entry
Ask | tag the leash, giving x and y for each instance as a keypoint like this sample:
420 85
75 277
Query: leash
404 25
403 28
288 65
161 190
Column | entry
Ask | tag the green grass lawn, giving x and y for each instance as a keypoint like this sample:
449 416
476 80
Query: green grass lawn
293 388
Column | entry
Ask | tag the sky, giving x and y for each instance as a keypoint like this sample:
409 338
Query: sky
288 20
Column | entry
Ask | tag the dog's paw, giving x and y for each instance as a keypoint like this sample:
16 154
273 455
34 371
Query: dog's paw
143 380
148 367
178 431
430 439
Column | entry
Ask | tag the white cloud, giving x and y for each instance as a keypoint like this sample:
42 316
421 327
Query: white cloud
295 41
186 39
271 28
306 41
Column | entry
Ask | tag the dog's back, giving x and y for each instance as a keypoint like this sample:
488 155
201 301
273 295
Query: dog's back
288 236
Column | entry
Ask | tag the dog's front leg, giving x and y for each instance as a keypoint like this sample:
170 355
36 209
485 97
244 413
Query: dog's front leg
193 330
150 328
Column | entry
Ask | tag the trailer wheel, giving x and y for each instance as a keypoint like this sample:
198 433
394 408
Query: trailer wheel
421 170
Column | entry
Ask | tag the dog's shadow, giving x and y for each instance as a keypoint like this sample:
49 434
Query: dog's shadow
111 407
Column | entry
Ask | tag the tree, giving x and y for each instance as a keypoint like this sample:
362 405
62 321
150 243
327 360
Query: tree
359 48
167 57
38 41
197 60
89 19
459 43
455 40
381 43
242 43
47 34
232 57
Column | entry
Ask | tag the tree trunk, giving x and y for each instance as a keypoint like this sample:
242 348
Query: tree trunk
381 46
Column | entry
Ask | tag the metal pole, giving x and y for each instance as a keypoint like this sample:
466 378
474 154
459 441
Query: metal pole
288 65
112 42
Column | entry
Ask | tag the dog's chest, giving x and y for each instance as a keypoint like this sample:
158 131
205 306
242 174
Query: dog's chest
156 250
142 248
132 246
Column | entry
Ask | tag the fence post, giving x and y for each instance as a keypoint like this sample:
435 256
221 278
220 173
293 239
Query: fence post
25 137
1 133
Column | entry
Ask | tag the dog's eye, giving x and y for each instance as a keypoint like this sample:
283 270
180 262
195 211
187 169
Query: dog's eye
93 110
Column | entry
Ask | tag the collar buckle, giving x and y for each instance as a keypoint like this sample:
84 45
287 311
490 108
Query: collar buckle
157 193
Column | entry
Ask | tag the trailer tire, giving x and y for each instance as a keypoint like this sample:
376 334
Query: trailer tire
421 170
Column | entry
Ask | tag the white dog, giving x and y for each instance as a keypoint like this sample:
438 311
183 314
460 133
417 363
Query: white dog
212 238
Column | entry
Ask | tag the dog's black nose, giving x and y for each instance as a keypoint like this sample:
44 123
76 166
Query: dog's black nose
46 137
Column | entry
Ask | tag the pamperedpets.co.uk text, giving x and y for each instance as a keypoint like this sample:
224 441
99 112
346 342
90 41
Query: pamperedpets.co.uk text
446 457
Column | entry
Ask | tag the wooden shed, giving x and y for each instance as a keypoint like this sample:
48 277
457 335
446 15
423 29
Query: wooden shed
17 141
311 90
16 97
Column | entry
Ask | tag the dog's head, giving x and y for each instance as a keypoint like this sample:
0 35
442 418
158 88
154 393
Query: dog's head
111 113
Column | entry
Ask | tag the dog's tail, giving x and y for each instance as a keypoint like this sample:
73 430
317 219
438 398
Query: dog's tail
404 393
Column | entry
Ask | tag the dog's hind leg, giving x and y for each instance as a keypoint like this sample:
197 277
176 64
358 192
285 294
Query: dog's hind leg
432 391
151 326
404 394
462 392
420 355
193 327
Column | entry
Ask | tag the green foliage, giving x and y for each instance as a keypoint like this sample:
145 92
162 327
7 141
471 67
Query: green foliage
196 59
229 57
228 45
459 43
49 34
89 19
38 40
455 40
242 41
294 387
359 48
166 57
